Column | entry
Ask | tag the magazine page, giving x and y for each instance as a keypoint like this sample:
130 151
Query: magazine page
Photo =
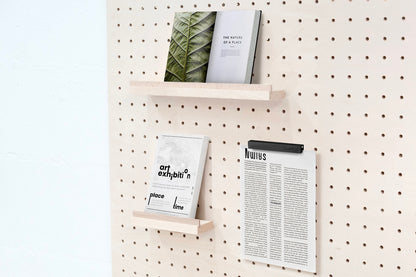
278 208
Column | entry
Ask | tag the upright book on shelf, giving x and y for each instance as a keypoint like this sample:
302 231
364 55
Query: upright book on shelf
233 47
213 47
177 175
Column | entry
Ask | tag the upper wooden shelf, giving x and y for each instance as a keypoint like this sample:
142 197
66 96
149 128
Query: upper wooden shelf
207 90
171 223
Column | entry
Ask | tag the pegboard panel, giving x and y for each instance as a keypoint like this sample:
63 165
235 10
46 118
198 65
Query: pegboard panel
348 69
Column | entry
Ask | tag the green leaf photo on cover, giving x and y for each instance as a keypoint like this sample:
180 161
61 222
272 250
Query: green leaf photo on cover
190 46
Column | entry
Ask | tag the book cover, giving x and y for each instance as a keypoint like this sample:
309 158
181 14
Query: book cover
233 47
177 174
190 46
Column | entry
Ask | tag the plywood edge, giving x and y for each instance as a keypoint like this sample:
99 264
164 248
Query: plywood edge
171 223
206 90
205 226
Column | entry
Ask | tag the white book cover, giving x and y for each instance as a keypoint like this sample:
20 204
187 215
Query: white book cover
177 174
233 46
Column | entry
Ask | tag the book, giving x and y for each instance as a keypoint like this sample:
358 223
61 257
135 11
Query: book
190 45
213 47
233 47
177 175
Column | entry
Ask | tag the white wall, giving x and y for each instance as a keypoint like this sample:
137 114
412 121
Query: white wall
54 183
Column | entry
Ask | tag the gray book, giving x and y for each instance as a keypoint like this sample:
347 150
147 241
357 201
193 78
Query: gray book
233 47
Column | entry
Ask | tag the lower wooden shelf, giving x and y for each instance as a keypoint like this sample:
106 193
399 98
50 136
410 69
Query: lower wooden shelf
171 223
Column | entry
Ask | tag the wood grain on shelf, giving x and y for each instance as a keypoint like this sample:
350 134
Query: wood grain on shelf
207 90
171 223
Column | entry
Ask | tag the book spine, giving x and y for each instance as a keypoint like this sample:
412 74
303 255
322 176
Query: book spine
198 181
253 48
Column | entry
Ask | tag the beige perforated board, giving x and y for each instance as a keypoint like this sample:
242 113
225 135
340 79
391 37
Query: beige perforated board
348 69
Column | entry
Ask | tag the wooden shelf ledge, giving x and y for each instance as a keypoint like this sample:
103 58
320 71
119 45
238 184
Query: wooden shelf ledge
207 90
171 223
